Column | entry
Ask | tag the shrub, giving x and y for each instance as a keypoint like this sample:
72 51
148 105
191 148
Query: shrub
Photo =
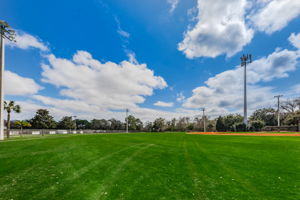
257 125
240 127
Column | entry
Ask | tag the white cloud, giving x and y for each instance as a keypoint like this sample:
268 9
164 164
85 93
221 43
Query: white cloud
180 97
295 40
296 90
29 108
221 29
120 31
26 41
83 110
173 5
67 104
91 89
225 27
223 93
18 85
123 33
132 57
107 85
275 15
164 104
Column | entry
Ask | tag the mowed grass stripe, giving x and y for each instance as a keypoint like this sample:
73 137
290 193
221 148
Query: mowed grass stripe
150 166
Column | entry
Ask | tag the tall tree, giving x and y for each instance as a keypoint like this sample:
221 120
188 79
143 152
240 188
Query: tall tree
116 124
82 124
220 126
231 121
101 124
267 115
43 120
134 124
148 126
289 106
159 125
183 123
67 123
9 107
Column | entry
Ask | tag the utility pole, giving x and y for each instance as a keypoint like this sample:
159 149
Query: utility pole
245 59
278 109
127 120
5 33
203 118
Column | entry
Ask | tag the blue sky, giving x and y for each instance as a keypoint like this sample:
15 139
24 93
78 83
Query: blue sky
159 58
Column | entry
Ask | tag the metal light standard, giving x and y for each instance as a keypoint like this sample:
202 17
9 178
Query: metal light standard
245 59
5 33
203 118
127 120
75 122
278 109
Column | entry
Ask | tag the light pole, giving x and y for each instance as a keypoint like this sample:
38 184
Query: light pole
245 59
278 109
203 118
127 120
5 33
75 122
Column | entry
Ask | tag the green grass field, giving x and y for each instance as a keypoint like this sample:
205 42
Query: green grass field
150 166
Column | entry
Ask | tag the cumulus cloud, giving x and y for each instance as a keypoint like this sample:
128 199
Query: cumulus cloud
223 93
30 107
26 41
164 104
69 107
173 5
15 84
221 29
275 15
225 27
295 40
107 85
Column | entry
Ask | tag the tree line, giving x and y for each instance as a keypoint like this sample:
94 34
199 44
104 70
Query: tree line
290 110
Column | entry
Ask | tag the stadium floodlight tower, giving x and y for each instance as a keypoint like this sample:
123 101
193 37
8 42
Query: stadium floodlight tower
203 118
245 59
5 33
75 121
278 109
127 120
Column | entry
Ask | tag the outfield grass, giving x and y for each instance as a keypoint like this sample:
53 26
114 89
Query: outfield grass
150 166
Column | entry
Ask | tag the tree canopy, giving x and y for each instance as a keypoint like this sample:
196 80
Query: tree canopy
43 120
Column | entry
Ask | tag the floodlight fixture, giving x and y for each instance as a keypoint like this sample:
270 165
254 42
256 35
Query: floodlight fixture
245 59
6 32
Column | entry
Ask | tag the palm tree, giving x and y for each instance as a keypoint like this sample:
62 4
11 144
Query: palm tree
22 124
9 107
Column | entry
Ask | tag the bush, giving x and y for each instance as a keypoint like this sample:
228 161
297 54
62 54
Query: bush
256 125
240 127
